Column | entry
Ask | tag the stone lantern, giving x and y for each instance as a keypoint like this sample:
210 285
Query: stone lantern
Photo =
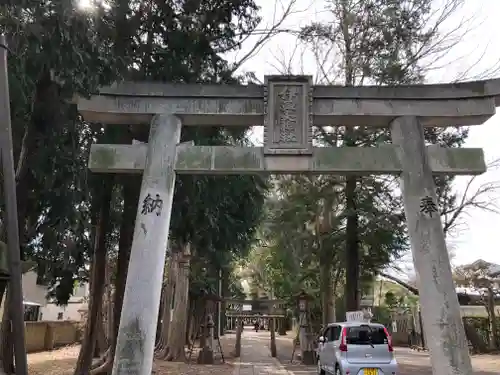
305 334
206 354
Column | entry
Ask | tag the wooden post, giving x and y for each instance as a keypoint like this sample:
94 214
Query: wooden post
282 321
136 337
272 331
443 327
282 326
239 329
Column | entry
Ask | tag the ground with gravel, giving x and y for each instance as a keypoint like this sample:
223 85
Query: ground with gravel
62 362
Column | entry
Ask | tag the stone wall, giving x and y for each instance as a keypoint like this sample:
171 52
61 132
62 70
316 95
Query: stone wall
42 336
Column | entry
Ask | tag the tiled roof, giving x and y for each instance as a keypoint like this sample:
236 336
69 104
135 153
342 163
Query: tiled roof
495 270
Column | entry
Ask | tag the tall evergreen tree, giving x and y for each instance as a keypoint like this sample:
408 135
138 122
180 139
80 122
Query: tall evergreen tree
59 51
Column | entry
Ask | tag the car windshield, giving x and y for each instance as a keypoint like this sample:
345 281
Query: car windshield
366 335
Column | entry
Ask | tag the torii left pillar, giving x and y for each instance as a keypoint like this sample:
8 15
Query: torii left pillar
141 302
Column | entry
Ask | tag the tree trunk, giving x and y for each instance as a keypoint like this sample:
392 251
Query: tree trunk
336 278
218 310
168 291
478 345
7 351
189 322
45 114
101 343
352 250
224 294
159 320
177 332
98 279
198 319
272 331
130 199
352 240
492 319
326 293
196 310
109 303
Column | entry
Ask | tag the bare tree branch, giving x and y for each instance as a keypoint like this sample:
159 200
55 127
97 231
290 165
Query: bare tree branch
268 32
473 198
405 285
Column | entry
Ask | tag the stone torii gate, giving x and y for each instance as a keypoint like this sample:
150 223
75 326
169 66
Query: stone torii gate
272 310
288 107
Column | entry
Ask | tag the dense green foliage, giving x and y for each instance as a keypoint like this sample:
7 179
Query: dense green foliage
58 51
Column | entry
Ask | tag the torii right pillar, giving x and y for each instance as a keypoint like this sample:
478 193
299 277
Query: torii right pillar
443 327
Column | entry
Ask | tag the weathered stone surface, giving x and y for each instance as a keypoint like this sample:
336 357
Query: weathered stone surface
380 112
442 323
288 116
461 90
136 336
192 111
249 160
250 112
469 103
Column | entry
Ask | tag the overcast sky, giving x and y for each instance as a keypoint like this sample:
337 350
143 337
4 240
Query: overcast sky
479 238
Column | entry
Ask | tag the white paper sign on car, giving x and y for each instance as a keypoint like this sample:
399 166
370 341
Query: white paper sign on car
354 316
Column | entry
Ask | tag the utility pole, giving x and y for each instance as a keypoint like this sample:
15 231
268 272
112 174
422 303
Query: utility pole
15 293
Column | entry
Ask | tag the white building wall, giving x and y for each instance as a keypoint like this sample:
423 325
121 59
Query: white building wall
31 291
50 311
77 305
477 311
71 311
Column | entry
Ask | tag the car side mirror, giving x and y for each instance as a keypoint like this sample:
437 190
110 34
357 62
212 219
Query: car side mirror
321 339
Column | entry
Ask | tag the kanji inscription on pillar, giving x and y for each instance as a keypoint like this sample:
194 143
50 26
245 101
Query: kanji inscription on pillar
428 206
152 204
288 115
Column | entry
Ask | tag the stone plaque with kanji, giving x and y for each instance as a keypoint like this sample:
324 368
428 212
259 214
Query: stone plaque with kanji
288 115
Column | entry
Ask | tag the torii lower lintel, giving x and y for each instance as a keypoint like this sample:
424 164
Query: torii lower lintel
227 160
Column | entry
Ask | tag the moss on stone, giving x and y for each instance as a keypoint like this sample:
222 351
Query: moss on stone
194 158
102 157
237 158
